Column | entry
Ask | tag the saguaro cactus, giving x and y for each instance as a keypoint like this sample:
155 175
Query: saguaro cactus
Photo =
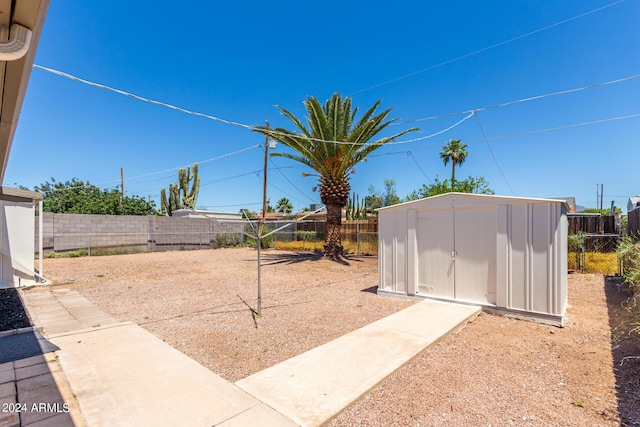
180 195
189 196
355 209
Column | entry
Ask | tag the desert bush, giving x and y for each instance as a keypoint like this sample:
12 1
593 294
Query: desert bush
601 263
575 243
267 242
227 240
629 254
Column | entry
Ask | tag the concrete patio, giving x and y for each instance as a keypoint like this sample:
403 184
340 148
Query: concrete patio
116 373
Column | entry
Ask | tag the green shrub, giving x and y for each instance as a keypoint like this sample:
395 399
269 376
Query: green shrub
575 243
266 241
629 254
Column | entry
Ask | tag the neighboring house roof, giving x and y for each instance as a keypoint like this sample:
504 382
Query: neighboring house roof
633 203
193 213
571 202
20 26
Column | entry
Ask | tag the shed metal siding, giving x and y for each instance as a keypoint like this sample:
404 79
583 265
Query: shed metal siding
502 252
17 221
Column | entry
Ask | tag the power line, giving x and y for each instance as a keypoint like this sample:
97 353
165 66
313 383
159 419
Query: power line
467 55
469 112
154 173
518 101
493 155
290 182
433 134
140 98
224 156
630 116
513 135
220 120
215 181
284 192
409 153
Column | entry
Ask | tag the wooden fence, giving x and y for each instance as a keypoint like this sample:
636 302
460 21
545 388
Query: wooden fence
591 224
348 227
634 223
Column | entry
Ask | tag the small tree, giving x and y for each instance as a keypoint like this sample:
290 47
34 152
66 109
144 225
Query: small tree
470 185
78 197
374 200
378 199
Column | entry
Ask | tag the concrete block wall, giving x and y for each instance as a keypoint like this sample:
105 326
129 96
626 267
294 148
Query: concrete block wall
181 232
65 232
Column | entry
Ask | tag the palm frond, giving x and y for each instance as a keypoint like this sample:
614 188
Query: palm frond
317 144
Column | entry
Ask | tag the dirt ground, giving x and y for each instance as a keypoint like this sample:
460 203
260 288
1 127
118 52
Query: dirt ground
495 372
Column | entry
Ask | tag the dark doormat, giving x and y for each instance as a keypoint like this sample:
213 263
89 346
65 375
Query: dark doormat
21 346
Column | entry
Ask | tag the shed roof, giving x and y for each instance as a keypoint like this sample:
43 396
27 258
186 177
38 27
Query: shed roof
504 199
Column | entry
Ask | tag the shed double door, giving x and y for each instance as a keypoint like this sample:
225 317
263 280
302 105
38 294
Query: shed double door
457 254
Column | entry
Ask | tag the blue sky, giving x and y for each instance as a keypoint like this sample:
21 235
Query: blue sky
236 60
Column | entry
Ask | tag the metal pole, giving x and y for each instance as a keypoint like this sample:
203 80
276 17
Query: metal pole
264 183
262 222
40 240
259 263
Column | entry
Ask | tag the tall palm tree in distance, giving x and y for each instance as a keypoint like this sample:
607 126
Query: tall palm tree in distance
284 206
332 143
454 151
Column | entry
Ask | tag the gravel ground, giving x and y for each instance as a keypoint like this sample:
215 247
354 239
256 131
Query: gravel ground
12 312
495 372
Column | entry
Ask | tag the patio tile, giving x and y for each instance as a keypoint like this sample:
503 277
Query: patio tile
9 419
29 361
31 371
7 389
7 375
58 420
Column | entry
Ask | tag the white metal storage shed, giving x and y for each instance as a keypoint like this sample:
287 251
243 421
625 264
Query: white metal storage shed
17 237
507 254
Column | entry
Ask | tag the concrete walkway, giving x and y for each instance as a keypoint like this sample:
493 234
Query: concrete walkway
123 375
315 386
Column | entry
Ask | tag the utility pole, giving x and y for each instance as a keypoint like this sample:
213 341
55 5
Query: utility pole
601 194
122 188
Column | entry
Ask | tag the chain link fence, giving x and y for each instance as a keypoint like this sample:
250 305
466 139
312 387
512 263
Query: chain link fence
594 253
358 237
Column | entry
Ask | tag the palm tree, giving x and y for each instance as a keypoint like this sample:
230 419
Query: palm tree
332 144
284 206
454 151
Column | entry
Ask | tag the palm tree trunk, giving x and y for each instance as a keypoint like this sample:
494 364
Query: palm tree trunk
332 241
